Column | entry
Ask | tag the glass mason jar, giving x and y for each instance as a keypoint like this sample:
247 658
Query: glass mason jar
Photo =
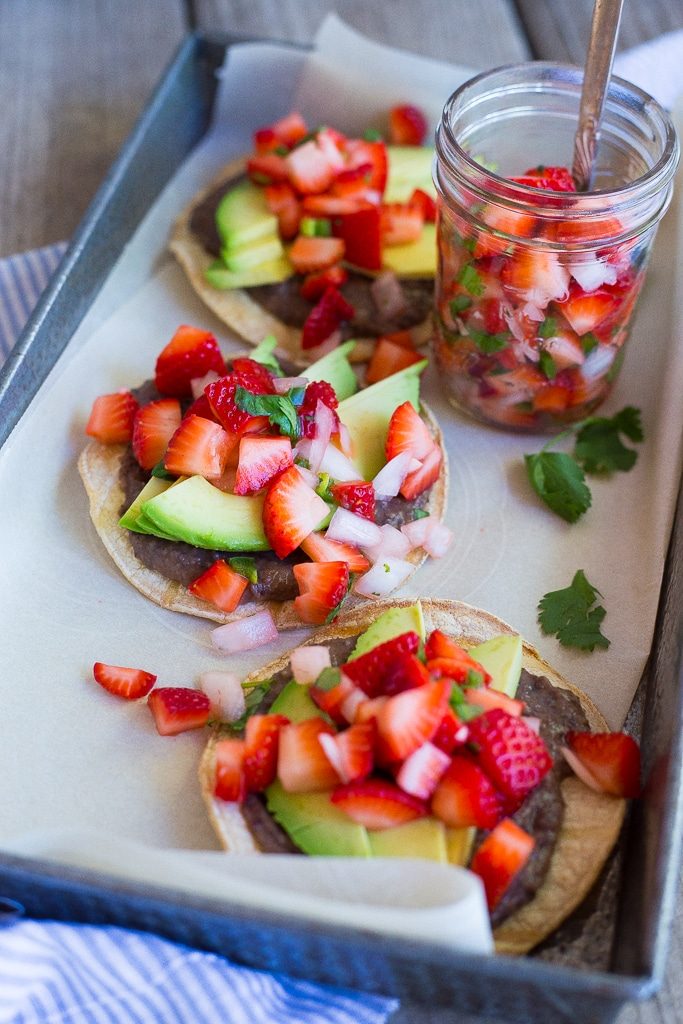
536 287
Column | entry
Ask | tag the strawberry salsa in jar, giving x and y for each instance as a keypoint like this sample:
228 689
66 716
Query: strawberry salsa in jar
536 282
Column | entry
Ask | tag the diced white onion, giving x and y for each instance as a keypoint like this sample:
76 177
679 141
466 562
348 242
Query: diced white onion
417 530
349 528
388 295
338 465
592 273
388 481
224 690
197 384
438 539
325 422
533 312
312 479
421 771
329 744
245 634
284 384
580 770
598 362
383 577
393 544
308 662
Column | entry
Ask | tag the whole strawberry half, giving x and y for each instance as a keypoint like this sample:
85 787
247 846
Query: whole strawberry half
513 756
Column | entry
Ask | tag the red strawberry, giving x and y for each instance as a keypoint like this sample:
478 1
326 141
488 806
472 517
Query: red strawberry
291 511
612 759
501 857
331 701
313 285
508 222
331 206
403 673
377 803
586 310
252 375
440 645
387 358
325 318
287 131
322 586
190 353
332 143
486 698
312 253
451 733
199 447
320 549
369 670
425 203
153 427
367 710
267 169
408 433
316 391
536 276
420 772
261 458
400 223
230 781
407 126
446 658
410 718
558 179
351 752
177 708
282 200
111 418
309 168
200 407
360 230
513 756
419 480
261 737
247 374
265 141
302 765
129 683
357 496
466 797
354 182
362 153
220 585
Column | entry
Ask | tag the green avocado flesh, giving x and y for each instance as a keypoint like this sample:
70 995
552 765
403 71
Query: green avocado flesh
414 259
424 837
243 258
367 414
295 702
133 519
271 272
316 826
389 624
410 167
242 216
502 658
196 512
336 369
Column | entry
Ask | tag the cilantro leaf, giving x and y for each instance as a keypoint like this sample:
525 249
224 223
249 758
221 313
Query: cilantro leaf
420 513
489 343
548 328
328 678
161 472
459 304
279 409
559 481
253 696
599 448
588 343
570 616
245 566
548 365
470 280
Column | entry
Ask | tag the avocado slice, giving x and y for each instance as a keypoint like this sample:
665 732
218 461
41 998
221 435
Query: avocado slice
336 369
131 518
414 259
501 656
424 837
200 514
243 258
294 702
317 827
242 216
389 624
367 414
269 272
409 167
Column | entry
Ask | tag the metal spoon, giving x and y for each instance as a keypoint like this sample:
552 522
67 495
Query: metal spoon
601 47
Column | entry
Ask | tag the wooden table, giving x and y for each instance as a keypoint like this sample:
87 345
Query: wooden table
75 75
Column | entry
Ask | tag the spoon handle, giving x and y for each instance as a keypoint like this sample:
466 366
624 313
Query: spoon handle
601 47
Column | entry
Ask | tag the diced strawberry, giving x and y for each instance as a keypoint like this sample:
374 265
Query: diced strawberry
513 756
586 310
377 803
501 857
220 585
268 169
320 549
129 683
332 144
400 223
190 353
440 649
536 276
316 391
587 230
153 427
425 204
466 796
407 125
176 709
201 407
420 479
247 374
557 179
302 765
325 318
265 141
357 496
111 418
351 752
420 772
451 733
328 205
361 152
408 433
322 586
612 759
404 673
360 230
309 169
410 718
508 222
253 376
261 738
552 398
198 447
313 285
331 701
354 182
291 511
388 358
260 459
486 698
403 338
494 320
282 200
368 710
230 781
287 131
310 253
369 670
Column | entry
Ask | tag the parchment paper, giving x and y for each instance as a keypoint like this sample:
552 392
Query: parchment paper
73 756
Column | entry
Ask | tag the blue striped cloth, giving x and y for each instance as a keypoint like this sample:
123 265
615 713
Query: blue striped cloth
54 973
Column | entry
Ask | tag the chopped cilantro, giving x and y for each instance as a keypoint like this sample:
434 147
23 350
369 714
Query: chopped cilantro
323 488
470 280
465 712
161 472
474 678
254 694
489 343
420 513
588 343
328 679
548 328
573 616
245 566
459 304
279 409
372 135
316 227
548 365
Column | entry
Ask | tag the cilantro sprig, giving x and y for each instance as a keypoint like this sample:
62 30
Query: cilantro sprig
559 479
280 409
573 615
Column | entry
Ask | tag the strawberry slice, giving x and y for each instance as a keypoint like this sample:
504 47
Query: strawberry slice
369 670
513 756
267 169
325 318
198 447
388 358
111 418
357 496
311 253
200 407
129 683
508 222
190 353
313 285
309 168
220 585
333 699
612 760
316 391
260 459
466 796
367 710
281 199
420 479
230 781
425 204
262 736
320 549
361 153
377 803
447 658
486 698
322 586
585 311
351 752
302 764
421 771
354 182
400 223
328 205
247 374
501 857
407 125
408 433
557 179
360 230
287 131
153 427
411 718
291 511
404 672
176 709
451 733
